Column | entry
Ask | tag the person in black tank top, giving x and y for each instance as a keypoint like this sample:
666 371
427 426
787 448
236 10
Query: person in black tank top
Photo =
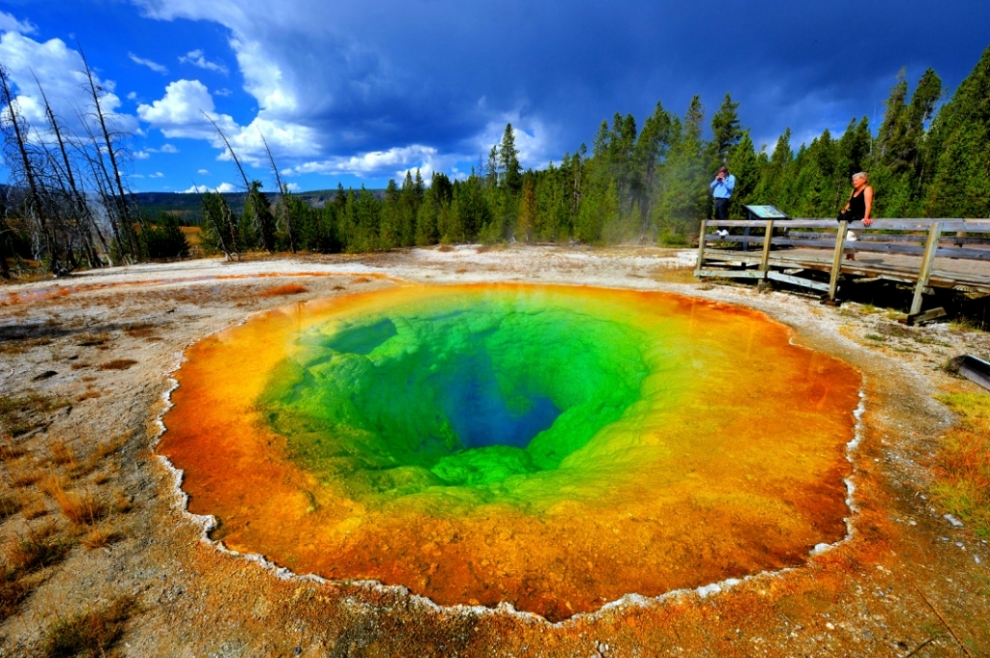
859 207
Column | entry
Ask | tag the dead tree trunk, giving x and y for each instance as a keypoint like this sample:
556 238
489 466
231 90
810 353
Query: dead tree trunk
119 195
83 213
35 206
282 205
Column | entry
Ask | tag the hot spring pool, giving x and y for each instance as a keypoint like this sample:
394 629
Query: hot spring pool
550 447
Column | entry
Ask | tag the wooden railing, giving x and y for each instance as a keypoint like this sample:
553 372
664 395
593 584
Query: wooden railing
921 240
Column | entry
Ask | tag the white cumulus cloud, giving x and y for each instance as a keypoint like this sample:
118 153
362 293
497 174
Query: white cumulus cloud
222 188
371 163
180 113
196 58
154 66
60 70
9 23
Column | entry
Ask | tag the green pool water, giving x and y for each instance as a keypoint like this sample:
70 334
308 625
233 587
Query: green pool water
463 391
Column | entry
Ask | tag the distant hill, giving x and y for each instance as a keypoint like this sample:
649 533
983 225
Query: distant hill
188 207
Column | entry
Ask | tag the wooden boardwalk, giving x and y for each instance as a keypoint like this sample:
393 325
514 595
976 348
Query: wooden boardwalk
942 253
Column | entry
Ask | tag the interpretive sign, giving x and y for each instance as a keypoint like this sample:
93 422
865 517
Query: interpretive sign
766 212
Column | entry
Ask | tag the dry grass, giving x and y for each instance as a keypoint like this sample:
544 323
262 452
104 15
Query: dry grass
674 274
94 340
91 633
61 452
122 503
34 509
24 413
78 508
9 451
962 466
141 330
36 550
8 506
287 289
89 394
99 536
12 592
22 474
107 448
118 364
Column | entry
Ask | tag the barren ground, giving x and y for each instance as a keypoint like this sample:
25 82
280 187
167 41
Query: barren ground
84 375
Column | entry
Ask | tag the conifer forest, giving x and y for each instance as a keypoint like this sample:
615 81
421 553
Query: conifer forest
66 204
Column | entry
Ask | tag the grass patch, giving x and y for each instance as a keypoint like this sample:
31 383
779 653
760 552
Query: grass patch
19 413
99 536
77 508
94 340
36 550
895 330
287 289
8 506
118 364
962 465
674 274
879 339
9 451
12 592
90 633
140 330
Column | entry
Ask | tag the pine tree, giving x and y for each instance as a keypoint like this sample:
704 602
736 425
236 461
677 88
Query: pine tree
390 219
744 164
960 185
508 161
258 218
650 151
682 198
726 132
527 219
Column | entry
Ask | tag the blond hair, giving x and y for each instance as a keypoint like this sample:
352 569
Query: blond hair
865 176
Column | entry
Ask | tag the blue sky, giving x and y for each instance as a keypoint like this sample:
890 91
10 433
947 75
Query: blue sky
360 92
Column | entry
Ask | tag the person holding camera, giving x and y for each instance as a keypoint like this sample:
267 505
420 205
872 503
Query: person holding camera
859 207
721 189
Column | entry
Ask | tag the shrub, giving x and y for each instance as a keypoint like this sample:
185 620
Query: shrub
165 239
90 633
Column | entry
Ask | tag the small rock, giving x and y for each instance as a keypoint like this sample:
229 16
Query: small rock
953 521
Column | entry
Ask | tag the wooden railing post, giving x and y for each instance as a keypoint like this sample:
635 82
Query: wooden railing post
765 262
701 246
926 267
840 243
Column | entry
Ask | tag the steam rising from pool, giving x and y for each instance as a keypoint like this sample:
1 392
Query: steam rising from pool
550 447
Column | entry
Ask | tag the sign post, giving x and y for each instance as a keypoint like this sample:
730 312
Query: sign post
761 212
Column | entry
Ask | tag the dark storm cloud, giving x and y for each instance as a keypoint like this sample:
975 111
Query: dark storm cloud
441 73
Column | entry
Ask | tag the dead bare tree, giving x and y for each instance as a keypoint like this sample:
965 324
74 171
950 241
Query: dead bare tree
5 234
226 142
24 166
119 196
84 216
104 186
282 205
